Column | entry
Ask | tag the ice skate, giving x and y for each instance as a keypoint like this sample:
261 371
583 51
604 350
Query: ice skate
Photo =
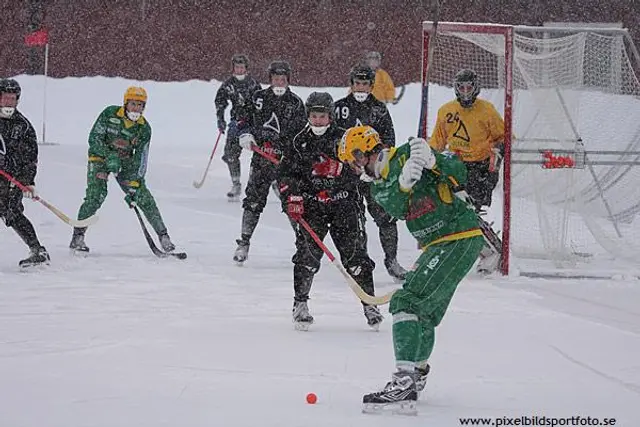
399 396
39 256
166 243
242 252
233 195
374 317
77 244
395 270
302 319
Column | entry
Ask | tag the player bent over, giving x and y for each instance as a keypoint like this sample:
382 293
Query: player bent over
417 184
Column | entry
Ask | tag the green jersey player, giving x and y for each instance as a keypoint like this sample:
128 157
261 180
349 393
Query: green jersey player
418 185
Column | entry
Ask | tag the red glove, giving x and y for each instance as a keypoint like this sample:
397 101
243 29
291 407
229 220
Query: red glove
327 167
323 196
295 207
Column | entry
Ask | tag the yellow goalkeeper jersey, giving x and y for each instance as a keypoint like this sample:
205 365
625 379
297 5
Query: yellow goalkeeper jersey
470 132
383 88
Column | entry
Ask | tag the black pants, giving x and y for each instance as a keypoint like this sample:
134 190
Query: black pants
345 223
232 149
481 182
261 175
12 213
387 225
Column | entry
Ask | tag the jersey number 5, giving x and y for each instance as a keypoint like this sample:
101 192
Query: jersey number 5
259 103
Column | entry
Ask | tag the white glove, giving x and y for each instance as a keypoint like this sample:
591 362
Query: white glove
422 153
411 173
31 193
246 141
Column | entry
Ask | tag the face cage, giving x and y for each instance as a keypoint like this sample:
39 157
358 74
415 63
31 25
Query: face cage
465 90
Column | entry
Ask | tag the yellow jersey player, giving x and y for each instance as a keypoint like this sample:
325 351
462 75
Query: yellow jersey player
384 89
473 129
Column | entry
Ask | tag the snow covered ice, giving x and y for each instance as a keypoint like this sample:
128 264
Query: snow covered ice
122 338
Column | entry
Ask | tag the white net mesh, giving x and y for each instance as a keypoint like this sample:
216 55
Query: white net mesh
572 90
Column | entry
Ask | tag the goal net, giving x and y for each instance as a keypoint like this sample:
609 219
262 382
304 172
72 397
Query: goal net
569 197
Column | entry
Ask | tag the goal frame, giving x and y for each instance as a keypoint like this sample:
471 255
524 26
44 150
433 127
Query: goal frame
429 33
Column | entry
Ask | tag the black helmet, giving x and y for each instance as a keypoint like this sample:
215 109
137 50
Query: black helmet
280 68
10 86
240 58
319 101
362 72
464 78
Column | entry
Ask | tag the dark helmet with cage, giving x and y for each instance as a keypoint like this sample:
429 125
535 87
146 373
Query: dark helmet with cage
240 59
362 72
280 68
10 86
7 108
320 102
466 87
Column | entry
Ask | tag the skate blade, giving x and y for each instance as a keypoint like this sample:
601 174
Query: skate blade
396 408
397 280
375 327
35 266
234 199
302 326
239 263
79 253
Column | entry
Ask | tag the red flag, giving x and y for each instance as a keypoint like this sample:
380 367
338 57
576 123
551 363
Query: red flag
37 38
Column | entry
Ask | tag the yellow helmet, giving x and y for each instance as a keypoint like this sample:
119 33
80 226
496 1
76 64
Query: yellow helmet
361 139
135 93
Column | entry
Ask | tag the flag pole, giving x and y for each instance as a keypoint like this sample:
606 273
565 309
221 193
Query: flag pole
44 95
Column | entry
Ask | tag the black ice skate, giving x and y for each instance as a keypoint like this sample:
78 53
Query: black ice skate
302 319
77 244
374 317
234 194
242 251
395 270
399 396
166 243
39 256
421 380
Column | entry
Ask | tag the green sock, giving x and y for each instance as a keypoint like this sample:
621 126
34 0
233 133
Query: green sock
426 342
406 340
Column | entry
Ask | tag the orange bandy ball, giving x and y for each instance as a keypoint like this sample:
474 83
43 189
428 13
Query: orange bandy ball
312 398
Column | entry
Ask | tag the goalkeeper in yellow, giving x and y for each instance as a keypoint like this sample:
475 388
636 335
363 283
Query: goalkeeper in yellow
416 184
473 129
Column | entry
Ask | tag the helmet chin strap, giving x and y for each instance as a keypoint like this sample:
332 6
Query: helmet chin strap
240 76
278 90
